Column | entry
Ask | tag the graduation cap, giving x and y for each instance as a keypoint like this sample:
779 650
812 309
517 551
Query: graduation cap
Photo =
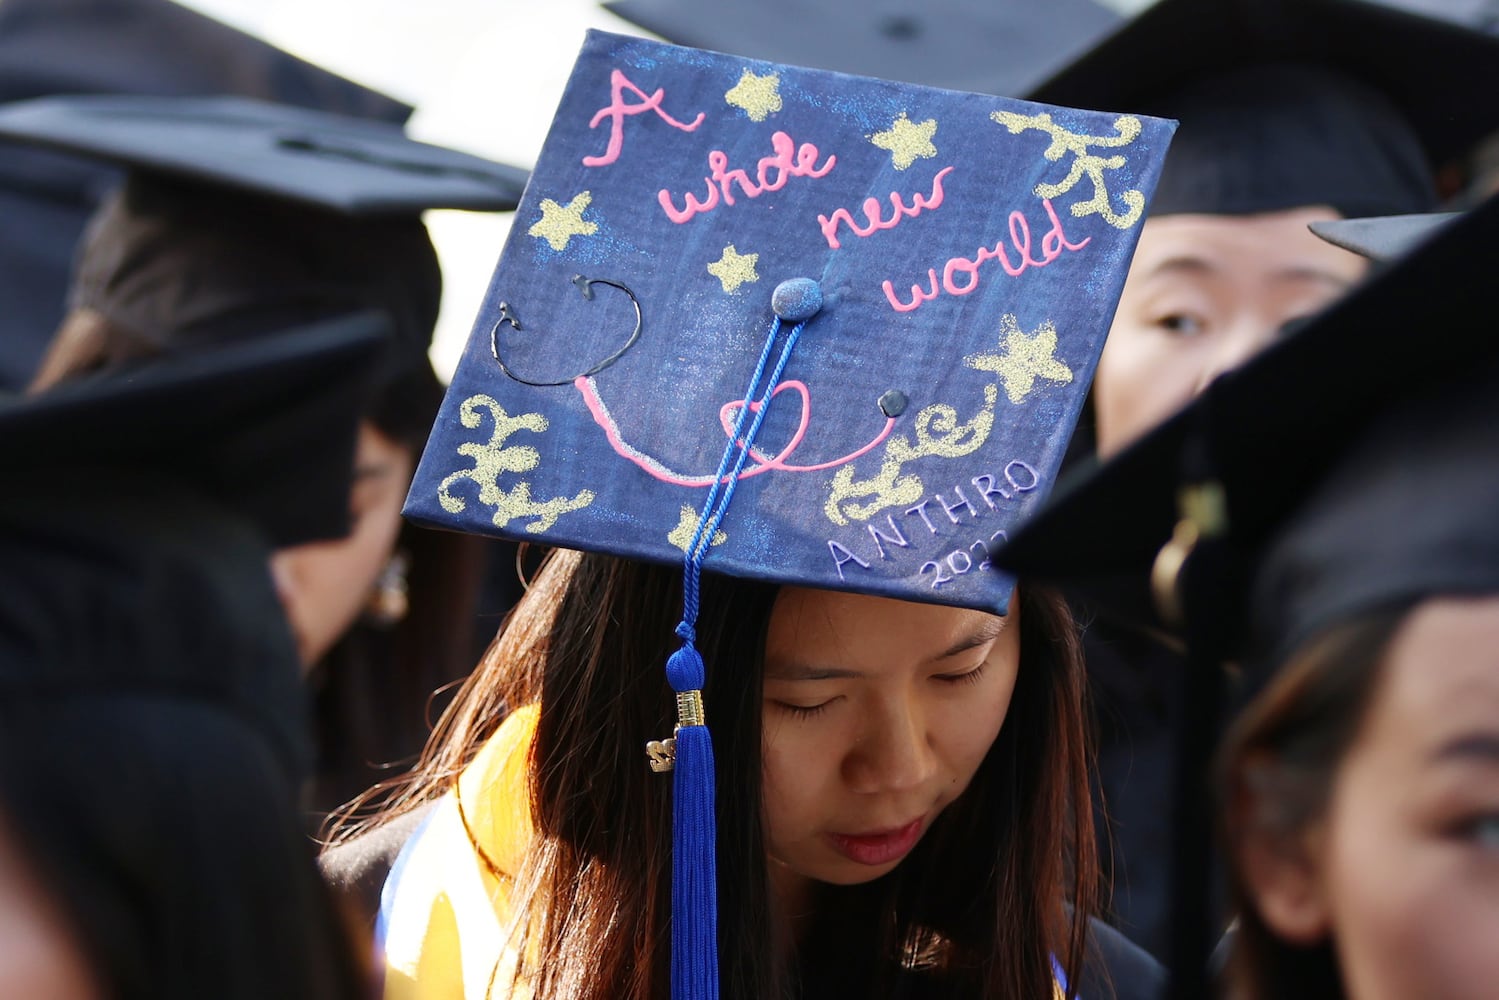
298 155
865 312
240 216
116 46
1382 237
992 47
265 428
139 515
1287 103
1182 527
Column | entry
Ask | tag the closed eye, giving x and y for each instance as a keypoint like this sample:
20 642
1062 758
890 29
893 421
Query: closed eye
966 677
803 711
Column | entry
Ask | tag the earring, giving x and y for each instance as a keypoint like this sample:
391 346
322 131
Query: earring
389 602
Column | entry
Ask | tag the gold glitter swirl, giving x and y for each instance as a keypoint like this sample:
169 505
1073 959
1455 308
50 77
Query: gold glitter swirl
681 535
493 459
1084 164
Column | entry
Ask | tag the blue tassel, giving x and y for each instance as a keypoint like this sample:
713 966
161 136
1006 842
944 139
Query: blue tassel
694 861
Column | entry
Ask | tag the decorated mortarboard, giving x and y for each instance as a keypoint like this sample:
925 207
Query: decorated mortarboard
265 428
298 155
865 312
991 46
1272 497
1288 103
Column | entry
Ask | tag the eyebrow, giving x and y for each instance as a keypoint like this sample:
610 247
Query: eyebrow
372 471
794 671
1185 265
1484 746
1316 274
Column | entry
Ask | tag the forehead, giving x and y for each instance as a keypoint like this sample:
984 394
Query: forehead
1441 673
967 249
1266 244
824 627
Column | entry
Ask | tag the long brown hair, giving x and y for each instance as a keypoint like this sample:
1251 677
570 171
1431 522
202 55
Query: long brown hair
1004 880
1277 768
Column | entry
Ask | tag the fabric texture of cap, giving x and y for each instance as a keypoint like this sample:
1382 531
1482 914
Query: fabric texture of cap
1288 103
264 428
989 46
328 161
944 265
1270 432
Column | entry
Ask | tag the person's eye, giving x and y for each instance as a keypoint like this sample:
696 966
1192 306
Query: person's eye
966 677
1482 831
1182 324
803 711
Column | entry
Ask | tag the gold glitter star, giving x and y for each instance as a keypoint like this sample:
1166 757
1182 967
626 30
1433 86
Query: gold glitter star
759 96
734 268
560 223
681 535
907 140
1026 358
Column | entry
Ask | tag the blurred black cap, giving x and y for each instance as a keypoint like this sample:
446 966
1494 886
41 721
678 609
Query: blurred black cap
995 47
1289 103
1382 237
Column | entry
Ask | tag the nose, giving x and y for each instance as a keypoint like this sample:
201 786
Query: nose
1235 346
892 753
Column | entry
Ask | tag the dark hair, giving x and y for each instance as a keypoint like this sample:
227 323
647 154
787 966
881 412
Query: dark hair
978 909
1283 752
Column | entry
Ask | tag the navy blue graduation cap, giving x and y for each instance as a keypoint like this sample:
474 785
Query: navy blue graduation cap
865 312
157 47
990 46
1286 103
1273 497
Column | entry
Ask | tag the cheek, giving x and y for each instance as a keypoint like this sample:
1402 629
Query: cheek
1142 378
1414 912
799 770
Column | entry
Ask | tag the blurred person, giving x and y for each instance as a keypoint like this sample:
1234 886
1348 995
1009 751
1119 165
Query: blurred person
1292 114
238 218
153 736
1355 595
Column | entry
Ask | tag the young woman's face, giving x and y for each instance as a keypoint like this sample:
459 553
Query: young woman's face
325 585
1405 865
1205 292
877 714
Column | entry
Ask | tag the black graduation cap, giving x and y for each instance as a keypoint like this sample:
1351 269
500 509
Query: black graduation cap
333 162
265 427
1382 237
1286 103
116 46
989 46
241 216
1272 482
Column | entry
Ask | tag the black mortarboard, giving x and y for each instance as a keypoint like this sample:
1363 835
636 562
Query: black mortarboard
1382 237
265 428
1272 482
158 47
994 47
240 216
1288 103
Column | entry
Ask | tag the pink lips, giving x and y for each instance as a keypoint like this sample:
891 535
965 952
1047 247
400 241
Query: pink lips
879 847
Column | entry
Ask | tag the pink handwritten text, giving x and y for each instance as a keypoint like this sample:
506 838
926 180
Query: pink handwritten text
771 172
619 109
960 274
873 214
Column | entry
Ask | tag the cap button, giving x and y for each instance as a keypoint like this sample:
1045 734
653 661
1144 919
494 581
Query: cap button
796 299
